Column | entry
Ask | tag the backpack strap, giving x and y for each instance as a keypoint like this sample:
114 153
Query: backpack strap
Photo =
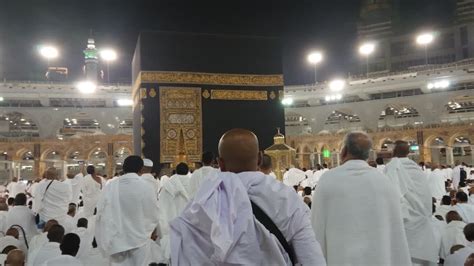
263 218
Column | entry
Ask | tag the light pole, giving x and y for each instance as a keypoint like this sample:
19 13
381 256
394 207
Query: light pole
108 55
315 58
367 49
425 39
49 53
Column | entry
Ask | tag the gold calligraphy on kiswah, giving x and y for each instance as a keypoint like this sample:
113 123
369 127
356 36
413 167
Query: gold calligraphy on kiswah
239 95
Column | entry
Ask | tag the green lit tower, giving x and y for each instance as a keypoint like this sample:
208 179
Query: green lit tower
91 57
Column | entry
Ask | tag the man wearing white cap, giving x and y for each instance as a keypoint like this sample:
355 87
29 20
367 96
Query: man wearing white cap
148 177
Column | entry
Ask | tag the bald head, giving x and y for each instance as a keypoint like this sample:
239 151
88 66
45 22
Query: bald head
51 173
48 225
453 216
13 232
15 257
3 206
401 149
469 260
238 151
356 146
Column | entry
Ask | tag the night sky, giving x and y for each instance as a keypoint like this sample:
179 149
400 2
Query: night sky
303 25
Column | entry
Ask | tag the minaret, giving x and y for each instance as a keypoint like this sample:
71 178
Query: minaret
91 58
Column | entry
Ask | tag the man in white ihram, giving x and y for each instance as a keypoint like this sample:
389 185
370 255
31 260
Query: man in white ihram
76 185
356 211
148 177
15 187
219 227
52 200
174 196
127 214
456 174
202 174
416 202
91 188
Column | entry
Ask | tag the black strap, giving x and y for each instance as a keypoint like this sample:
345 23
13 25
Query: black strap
263 218
23 232
47 189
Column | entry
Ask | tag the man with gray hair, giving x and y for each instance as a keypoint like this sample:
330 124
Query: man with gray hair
356 211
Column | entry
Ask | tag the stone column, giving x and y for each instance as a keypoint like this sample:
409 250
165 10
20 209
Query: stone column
449 155
311 159
37 157
319 158
338 159
110 160
472 155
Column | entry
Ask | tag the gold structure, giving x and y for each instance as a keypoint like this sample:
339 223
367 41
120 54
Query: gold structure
239 95
210 78
283 156
180 124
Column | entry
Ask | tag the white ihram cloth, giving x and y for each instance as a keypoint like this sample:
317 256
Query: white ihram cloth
164 179
416 206
293 177
63 260
218 226
452 235
3 222
76 186
357 219
436 184
456 176
54 204
11 241
44 253
127 214
442 210
460 256
439 228
152 182
380 167
466 211
37 242
95 257
15 188
172 199
90 194
198 177
35 193
24 217
86 237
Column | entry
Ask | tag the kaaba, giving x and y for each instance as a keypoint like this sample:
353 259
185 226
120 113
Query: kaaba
191 88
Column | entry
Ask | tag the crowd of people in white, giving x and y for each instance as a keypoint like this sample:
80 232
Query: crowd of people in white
233 211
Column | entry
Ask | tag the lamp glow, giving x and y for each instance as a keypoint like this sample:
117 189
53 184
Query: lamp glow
86 87
315 58
367 48
287 101
425 38
440 84
108 55
337 85
48 52
124 102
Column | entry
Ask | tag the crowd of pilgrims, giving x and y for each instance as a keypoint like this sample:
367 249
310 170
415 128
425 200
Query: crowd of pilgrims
232 210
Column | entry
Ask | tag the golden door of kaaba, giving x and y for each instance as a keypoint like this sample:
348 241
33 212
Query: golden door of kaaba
180 124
